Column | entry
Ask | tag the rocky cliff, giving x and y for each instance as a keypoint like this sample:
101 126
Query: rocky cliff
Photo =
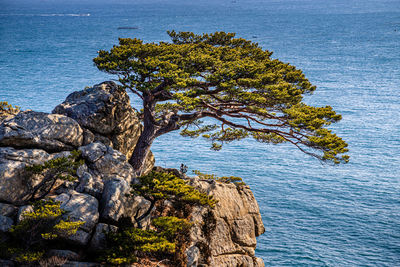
100 123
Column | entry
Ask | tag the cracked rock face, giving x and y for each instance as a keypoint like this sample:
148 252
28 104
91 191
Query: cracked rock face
16 184
104 110
232 226
8 210
105 113
99 241
107 163
104 178
5 223
50 132
116 205
80 207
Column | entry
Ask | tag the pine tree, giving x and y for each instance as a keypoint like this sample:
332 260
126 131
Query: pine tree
221 88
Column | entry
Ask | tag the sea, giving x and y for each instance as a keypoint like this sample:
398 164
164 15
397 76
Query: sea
315 214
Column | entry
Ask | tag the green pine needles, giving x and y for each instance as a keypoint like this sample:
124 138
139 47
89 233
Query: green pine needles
163 185
63 168
221 88
159 242
8 109
167 235
32 235
38 229
223 179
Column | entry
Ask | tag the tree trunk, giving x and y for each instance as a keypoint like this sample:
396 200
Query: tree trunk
147 137
141 150
151 130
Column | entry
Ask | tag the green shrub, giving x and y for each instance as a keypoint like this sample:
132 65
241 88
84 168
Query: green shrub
160 242
162 185
171 226
7 109
31 235
167 237
63 168
28 256
223 179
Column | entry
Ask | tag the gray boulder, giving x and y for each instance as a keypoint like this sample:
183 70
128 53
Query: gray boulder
105 114
51 132
93 152
104 110
116 204
90 184
17 184
98 241
22 210
107 163
80 238
6 263
114 199
8 210
5 223
80 207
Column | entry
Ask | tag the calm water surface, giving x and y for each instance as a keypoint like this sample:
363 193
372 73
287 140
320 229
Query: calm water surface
315 215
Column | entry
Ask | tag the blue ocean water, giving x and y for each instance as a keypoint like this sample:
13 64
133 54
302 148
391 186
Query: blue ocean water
315 215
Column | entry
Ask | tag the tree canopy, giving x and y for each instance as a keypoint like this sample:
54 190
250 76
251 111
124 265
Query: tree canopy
232 81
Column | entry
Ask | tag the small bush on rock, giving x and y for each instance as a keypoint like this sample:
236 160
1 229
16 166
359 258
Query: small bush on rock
7 109
128 244
167 237
63 168
162 185
31 236
224 179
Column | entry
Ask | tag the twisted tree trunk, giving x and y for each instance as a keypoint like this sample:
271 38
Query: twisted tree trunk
141 150
147 136
152 128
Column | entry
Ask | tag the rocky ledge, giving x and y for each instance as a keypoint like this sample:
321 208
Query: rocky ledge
100 123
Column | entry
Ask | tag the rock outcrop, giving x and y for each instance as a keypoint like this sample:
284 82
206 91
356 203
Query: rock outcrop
7 111
100 123
17 185
107 163
98 241
105 113
229 230
50 132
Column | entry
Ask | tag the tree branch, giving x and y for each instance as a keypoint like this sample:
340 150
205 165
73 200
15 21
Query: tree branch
130 88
